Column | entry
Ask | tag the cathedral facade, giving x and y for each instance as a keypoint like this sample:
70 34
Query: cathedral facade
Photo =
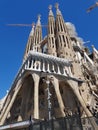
58 77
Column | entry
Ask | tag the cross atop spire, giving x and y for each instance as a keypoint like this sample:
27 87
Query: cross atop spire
39 18
50 8
57 8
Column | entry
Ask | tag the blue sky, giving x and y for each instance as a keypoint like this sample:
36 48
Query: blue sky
13 39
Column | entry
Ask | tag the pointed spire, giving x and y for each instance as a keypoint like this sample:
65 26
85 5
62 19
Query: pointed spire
95 53
50 12
87 57
94 49
51 47
38 32
57 9
32 31
39 18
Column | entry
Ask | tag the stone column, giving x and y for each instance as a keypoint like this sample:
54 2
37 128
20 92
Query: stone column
43 66
48 69
58 69
36 79
58 94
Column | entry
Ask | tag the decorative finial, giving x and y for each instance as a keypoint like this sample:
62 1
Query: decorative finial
57 5
57 8
39 18
50 7
50 12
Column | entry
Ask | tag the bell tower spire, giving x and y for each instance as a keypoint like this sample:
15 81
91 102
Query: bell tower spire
30 41
63 41
35 38
37 35
51 33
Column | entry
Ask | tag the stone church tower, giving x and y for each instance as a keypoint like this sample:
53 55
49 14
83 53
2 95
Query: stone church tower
57 77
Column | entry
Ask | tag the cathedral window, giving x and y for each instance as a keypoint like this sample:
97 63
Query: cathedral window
63 39
40 38
58 27
61 28
67 42
51 30
34 63
30 63
60 40
65 28
49 41
52 40
53 46
72 69
87 76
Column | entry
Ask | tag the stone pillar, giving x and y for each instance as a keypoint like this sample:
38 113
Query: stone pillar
58 94
43 69
58 69
36 79
48 69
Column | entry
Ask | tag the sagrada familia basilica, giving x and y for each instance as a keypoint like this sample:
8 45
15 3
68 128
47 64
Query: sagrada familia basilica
58 77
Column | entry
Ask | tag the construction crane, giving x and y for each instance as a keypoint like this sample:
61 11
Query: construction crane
92 7
29 25
25 25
